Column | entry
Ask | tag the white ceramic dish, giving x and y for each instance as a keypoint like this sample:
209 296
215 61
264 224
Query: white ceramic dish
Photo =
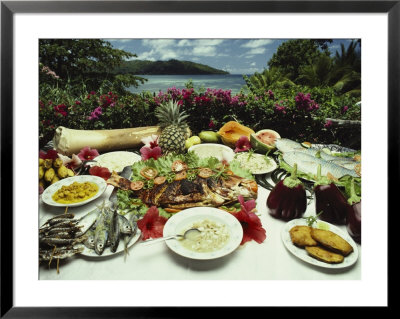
107 252
302 253
184 219
49 191
247 163
116 161
220 151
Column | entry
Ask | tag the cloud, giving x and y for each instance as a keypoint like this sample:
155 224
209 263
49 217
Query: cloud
204 51
257 51
257 43
200 42
120 40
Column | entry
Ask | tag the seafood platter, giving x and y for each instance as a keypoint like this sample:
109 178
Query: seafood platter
212 184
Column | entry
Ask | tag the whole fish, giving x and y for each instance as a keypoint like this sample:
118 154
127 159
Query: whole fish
60 253
127 239
90 241
102 230
124 225
286 145
114 232
308 164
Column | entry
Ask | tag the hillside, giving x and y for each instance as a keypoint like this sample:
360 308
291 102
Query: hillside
166 67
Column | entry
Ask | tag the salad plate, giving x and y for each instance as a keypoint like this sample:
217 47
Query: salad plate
257 164
53 188
184 220
302 254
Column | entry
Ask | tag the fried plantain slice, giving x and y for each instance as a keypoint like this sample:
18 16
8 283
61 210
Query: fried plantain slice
331 241
301 236
324 255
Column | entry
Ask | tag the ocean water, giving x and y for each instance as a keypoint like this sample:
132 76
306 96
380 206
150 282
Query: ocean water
156 83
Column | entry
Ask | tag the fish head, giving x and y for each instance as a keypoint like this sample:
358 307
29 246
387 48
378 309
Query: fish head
126 229
99 246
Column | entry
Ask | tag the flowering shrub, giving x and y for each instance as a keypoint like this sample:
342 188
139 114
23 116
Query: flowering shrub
296 112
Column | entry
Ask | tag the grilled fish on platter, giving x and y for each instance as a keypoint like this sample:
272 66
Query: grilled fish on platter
199 192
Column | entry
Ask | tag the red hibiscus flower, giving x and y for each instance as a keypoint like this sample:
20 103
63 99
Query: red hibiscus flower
87 153
148 152
99 171
152 224
51 154
150 141
243 144
251 223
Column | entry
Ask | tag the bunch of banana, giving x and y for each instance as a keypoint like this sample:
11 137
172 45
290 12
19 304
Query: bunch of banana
51 171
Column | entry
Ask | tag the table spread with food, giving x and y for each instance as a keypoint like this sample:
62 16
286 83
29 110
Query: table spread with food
162 203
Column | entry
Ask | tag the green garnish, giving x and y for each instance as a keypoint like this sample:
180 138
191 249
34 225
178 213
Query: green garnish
312 219
251 152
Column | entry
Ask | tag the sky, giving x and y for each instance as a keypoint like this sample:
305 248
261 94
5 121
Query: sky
237 56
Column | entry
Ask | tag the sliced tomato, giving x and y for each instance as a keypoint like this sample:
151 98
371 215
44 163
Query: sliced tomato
160 180
229 172
205 172
172 210
178 166
135 186
148 172
251 185
181 175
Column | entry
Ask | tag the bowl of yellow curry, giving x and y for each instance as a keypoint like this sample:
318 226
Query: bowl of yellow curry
74 191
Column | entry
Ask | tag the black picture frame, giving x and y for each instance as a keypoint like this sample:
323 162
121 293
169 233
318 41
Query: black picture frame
9 8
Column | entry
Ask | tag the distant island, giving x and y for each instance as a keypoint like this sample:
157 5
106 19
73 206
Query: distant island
171 67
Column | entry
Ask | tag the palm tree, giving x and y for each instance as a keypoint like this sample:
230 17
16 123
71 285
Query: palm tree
267 78
343 71
317 74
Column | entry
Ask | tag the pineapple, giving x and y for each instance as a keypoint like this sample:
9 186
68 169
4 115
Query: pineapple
174 129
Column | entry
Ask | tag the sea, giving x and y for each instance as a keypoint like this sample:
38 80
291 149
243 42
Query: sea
157 83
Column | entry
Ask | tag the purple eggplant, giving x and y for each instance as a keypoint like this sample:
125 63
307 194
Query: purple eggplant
287 200
329 200
354 215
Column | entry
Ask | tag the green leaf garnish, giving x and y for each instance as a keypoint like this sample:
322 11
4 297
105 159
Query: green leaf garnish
312 219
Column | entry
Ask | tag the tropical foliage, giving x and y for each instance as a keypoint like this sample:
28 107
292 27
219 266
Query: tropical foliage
303 86
310 63
83 62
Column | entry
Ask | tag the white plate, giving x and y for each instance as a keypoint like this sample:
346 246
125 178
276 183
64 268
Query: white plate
258 156
107 252
219 151
184 219
302 254
116 161
49 191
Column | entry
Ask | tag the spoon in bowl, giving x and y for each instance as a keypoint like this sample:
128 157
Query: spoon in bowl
191 234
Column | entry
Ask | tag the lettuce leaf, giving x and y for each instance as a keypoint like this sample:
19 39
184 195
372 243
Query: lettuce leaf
239 171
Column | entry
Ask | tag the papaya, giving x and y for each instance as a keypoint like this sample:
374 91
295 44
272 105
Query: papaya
232 131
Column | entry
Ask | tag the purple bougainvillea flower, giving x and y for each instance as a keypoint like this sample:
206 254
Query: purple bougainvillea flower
95 114
328 124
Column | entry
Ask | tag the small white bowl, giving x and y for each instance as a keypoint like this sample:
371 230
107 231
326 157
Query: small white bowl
220 151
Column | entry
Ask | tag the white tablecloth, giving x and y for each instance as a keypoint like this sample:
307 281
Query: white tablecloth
269 260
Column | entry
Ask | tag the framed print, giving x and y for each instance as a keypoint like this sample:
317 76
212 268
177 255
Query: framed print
202 106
